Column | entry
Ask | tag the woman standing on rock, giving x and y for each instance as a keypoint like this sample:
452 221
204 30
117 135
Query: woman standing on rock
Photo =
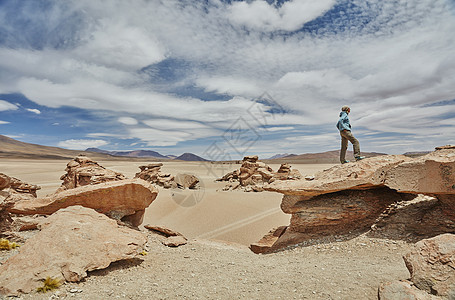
344 127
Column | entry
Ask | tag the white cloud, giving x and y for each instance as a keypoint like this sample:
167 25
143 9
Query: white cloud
259 15
284 128
81 144
168 124
128 121
155 137
4 122
5 105
231 85
386 59
105 134
118 45
34 110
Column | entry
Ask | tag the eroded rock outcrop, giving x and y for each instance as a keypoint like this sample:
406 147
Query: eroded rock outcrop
412 220
253 175
11 191
17 185
83 171
152 173
355 197
124 200
432 174
71 242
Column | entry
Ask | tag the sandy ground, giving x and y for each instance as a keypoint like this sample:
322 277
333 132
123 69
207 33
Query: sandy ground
216 263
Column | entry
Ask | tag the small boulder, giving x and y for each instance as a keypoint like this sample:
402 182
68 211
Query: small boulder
186 181
265 244
399 290
432 265
175 241
171 238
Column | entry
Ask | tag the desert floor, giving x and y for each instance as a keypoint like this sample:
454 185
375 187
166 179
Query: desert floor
216 263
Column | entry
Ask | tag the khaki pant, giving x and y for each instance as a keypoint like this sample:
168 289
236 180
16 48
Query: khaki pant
346 136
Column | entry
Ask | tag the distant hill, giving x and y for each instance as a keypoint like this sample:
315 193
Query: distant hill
11 148
190 157
328 157
416 153
135 153
281 155
97 150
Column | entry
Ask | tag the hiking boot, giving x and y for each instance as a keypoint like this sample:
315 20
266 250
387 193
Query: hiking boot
359 158
345 161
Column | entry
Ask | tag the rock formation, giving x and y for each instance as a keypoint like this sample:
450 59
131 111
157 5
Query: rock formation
124 200
356 196
170 238
17 185
71 242
152 173
253 175
84 171
431 264
88 184
11 191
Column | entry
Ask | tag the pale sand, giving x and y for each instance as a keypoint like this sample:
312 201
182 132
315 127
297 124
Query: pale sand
233 216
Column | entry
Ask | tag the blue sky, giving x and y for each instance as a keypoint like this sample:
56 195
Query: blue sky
224 79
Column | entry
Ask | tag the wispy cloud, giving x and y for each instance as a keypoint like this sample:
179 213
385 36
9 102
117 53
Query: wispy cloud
5 105
81 144
34 110
128 121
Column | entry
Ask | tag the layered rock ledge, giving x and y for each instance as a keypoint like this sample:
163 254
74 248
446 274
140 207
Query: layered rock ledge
124 200
351 198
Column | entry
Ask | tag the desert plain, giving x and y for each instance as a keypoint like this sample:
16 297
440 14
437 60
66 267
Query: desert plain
217 263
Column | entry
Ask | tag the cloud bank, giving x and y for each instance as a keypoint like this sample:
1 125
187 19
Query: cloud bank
178 74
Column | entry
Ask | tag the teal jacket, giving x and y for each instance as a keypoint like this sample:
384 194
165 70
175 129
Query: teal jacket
343 122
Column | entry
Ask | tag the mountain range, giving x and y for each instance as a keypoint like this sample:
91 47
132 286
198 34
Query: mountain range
135 153
11 148
148 154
